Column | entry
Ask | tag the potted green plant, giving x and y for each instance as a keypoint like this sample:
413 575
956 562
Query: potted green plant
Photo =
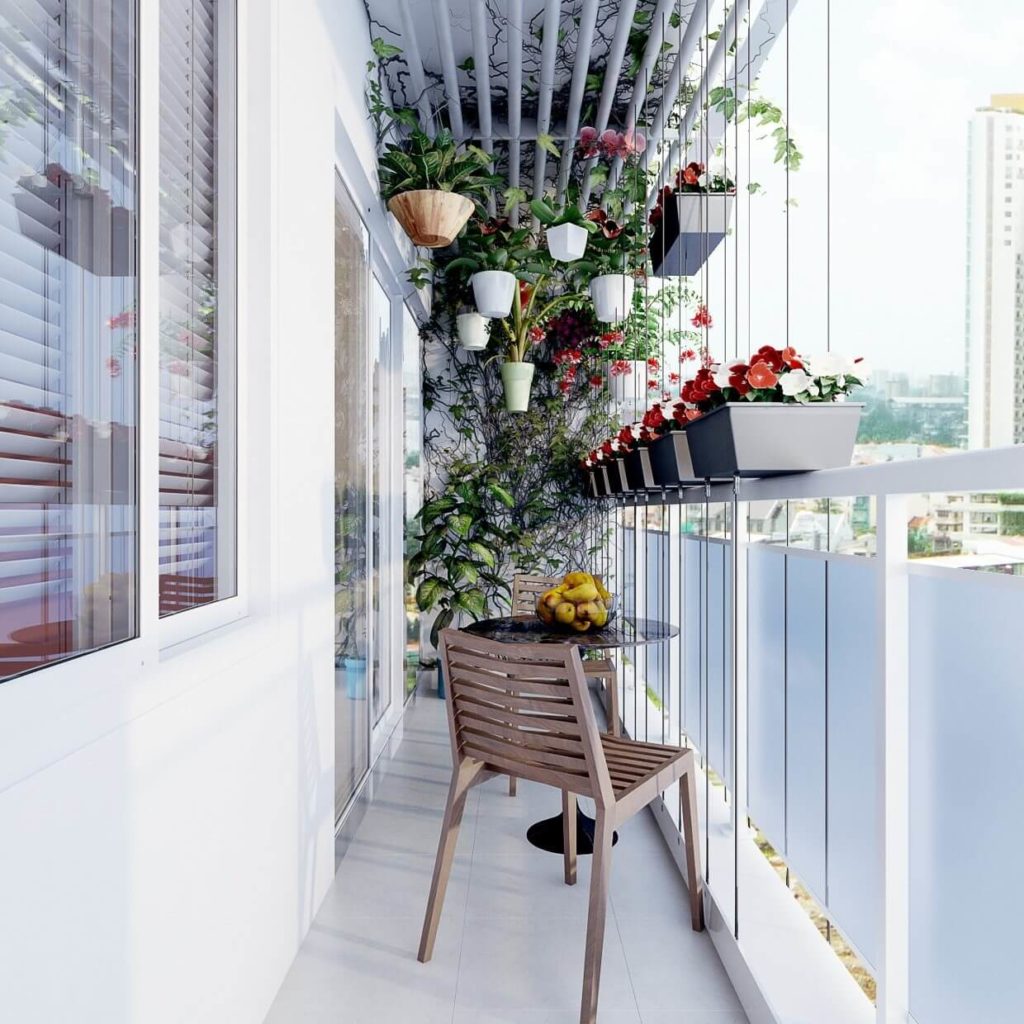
690 220
776 413
566 233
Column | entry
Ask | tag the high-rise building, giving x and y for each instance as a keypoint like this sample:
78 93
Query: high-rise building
995 273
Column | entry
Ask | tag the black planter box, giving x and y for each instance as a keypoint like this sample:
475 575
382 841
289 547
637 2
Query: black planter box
770 439
670 461
618 482
678 251
597 482
638 470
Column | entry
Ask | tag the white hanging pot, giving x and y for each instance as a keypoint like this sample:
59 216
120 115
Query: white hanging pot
517 378
630 386
494 291
612 295
567 242
472 329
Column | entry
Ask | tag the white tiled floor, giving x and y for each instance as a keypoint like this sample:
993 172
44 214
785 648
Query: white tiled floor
510 945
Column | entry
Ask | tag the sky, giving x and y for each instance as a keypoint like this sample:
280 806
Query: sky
890 97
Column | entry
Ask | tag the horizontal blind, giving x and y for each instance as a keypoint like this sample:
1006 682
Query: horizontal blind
188 296
67 280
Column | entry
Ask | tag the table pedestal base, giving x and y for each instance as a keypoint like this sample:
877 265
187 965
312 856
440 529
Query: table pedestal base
547 834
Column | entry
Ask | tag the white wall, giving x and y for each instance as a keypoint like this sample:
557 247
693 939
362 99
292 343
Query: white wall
166 817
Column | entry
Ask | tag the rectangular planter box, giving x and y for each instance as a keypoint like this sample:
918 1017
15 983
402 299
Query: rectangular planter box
767 439
638 470
618 482
597 482
671 464
691 228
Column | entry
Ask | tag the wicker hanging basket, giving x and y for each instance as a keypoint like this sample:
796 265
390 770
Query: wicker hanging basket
431 218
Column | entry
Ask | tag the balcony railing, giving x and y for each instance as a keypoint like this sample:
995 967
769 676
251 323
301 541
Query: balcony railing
859 713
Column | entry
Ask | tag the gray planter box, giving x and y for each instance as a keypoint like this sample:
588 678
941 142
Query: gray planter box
671 464
618 482
768 439
638 470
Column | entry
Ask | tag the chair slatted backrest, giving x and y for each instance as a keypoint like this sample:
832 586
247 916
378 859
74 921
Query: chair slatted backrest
526 590
524 710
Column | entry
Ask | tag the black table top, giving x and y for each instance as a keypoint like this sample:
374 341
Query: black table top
623 631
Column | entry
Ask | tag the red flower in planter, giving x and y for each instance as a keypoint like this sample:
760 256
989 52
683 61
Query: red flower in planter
653 418
626 438
652 365
689 175
738 377
611 338
791 359
771 356
702 318
620 367
761 375
673 378
653 385
687 355
597 382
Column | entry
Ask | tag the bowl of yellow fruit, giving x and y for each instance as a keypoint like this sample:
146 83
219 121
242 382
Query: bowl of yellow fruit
579 604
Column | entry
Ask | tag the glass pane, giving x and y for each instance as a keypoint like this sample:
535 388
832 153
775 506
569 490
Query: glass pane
351 554
197 473
380 331
413 401
68 294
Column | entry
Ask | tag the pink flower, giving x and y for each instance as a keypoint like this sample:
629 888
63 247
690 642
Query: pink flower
634 142
611 142
178 366
125 319
113 365
588 141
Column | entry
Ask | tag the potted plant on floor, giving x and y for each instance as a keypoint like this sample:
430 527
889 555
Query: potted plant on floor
776 413
690 220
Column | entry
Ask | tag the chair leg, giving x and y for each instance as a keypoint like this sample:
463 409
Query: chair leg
511 785
600 873
569 836
691 833
462 778
613 706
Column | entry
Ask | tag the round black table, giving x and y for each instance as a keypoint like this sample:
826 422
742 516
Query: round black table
623 631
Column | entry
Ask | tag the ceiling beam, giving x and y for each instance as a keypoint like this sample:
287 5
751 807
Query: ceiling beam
414 62
580 70
548 53
443 24
482 74
514 30
616 53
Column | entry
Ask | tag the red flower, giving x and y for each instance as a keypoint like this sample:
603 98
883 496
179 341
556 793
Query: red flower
654 417
536 334
702 318
611 338
771 356
610 229
653 364
493 225
689 175
687 355
619 367
564 386
791 359
597 382
525 291
653 385
673 378
655 216
738 377
125 319
598 216
761 375
588 141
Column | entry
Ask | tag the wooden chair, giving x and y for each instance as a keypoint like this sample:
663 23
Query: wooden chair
524 711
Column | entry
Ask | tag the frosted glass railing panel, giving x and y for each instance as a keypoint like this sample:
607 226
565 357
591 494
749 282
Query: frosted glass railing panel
657 607
717 725
966 798
694 614
854 754
805 730
766 692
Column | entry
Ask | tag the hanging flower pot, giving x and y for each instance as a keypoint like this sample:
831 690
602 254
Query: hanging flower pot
430 217
692 226
769 439
567 242
612 295
627 381
472 329
638 469
494 291
517 378
671 464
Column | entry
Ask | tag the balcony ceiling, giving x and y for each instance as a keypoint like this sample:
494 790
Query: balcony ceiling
611 64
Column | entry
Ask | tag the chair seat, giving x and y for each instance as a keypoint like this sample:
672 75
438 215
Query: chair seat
631 763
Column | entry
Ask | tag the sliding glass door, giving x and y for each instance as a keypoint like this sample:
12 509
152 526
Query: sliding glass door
352 505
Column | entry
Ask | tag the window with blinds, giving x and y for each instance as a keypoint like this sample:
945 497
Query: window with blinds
68 295
197 514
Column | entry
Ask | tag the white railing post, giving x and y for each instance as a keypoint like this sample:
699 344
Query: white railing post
739 688
894 780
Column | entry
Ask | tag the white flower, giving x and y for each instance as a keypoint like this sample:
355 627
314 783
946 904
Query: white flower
796 382
829 364
720 376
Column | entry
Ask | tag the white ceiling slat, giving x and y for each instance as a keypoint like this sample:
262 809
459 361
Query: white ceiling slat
514 28
482 74
443 23
616 53
549 51
581 68
413 61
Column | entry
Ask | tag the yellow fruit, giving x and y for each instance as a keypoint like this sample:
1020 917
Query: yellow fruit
545 613
551 599
584 592
601 619
602 591
565 612
575 579
580 626
587 610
